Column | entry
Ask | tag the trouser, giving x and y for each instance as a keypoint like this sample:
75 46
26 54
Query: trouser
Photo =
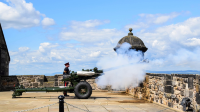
64 77
66 83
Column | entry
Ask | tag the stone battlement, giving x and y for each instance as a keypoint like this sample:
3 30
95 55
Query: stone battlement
164 89
8 83
169 89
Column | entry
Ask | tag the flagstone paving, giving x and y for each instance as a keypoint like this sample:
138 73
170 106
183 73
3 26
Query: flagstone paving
98 102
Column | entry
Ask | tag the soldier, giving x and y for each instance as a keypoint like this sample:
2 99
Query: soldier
66 74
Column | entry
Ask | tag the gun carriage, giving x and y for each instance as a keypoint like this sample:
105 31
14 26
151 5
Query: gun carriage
79 86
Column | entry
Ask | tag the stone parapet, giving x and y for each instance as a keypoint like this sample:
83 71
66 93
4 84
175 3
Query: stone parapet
8 83
165 89
169 89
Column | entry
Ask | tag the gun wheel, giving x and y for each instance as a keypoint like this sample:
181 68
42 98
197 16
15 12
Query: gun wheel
83 90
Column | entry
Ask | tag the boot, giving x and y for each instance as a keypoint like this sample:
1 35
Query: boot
65 94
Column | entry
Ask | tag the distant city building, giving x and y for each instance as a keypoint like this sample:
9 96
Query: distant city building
4 55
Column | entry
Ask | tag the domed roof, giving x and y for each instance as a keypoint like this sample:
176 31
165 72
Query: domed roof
136 43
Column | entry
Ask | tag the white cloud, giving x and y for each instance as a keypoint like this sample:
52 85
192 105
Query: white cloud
87 33
147 20
193 42
19 14
158 18
175 46
95 54
46 46
47 21
170 47
87 24
23 49
12 53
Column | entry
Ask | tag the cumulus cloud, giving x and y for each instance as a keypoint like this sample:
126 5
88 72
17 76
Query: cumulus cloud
47 22
55 55
150 19
170 47
95 54
88 33
192 42
46 46
158 18
87 24
23 49
174 46
20 14
182 59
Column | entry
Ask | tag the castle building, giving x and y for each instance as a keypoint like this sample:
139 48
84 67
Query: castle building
4 55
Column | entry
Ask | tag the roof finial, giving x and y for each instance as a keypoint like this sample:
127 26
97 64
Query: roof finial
130 29
130 33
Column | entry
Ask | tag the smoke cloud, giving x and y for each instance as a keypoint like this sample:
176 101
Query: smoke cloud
124 70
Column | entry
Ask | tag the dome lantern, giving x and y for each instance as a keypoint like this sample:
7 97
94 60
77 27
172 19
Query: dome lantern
135 42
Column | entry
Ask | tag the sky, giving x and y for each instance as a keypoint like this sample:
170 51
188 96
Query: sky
42 35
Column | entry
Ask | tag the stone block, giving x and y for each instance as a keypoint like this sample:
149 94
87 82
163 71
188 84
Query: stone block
32 80
161 101
147 79
186 93
56 79
179 88
170 104
37 80
161 88
182 92
169 89
49 84
186 80
41 81
177 100
190 82
173 96
168 83
26 84
28 78
56 83
168 77
191 94
152 86
197 88
35 84
197 98
151 77
167 95
184 86
177 92
197 79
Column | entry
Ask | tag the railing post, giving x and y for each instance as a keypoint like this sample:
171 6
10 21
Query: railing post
61 103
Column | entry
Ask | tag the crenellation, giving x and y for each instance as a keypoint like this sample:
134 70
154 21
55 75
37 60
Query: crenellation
169 89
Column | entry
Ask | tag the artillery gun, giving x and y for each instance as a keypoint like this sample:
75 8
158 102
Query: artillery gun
79 86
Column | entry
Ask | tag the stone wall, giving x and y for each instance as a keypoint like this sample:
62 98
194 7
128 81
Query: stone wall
169 89
8 83
164 89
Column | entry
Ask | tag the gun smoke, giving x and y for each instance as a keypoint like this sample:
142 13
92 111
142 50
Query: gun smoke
124 70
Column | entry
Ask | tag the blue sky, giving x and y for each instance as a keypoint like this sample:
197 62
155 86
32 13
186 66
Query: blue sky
43 35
